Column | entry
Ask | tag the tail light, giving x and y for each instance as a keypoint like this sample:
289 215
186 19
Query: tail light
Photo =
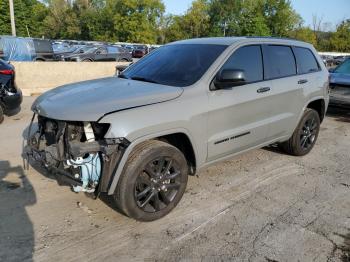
7 72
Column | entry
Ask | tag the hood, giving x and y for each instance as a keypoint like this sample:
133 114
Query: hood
90 100
340 78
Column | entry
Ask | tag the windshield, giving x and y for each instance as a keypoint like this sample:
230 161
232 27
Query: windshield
176 65
343 68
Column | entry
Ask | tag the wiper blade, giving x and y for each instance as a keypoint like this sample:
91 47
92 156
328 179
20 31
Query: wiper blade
139 78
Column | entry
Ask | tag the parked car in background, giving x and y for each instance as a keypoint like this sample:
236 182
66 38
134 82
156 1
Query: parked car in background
74 49
340 84
130 48
10 95
179 109
337 60
99 53
327 60
43 50
26 49
139 51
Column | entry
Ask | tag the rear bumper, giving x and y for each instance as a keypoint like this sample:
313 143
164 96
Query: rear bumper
12 100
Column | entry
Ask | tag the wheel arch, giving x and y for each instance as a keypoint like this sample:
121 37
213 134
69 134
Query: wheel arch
319 105
180 138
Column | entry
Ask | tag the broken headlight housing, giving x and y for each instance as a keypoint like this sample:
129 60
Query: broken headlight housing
77 150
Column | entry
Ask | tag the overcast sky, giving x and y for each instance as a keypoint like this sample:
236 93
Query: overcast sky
332 11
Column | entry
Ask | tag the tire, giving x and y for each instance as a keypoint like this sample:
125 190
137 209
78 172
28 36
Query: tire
123 60
87 60
305 135
142 198
1 114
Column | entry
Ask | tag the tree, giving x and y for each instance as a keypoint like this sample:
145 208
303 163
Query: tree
171 29
249 17
340 40
196 20
29 15
137 20
224 16
304 34
280 17
61 22
252 21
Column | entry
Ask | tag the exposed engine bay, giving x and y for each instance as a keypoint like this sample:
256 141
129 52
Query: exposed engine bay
77 151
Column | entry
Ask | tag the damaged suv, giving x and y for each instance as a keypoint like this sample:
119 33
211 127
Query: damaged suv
183 107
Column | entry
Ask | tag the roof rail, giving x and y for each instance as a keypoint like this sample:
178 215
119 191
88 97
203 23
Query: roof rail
274 37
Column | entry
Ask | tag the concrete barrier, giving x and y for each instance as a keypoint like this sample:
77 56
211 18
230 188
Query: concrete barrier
34 78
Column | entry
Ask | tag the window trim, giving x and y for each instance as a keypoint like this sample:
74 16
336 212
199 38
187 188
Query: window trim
318 65
262 46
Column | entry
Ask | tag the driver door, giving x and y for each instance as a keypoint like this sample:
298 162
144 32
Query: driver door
101 54
239 116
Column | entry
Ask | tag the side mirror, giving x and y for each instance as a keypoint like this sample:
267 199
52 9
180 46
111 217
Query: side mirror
229 78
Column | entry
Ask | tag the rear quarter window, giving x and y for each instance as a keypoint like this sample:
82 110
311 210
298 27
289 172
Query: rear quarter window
279 61
306 61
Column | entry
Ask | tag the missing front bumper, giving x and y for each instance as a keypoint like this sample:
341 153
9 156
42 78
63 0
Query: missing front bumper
88 165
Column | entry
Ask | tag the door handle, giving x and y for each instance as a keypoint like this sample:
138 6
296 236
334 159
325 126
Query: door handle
263 89
302 81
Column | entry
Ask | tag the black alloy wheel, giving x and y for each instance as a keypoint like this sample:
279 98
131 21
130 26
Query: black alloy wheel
153 181
305 135
157 184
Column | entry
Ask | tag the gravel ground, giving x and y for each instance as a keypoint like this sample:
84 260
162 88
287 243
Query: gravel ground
260 206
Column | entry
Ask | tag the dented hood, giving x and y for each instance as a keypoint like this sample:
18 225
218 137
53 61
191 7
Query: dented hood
90 100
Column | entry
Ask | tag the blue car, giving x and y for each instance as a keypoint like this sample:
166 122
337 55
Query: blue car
340 84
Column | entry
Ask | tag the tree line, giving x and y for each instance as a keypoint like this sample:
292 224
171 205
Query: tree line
145 21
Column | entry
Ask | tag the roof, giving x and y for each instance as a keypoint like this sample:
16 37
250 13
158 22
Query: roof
231 40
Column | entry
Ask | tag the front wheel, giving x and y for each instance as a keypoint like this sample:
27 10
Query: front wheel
153 181
305 135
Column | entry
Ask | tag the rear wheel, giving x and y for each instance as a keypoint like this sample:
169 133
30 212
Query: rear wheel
1 114
153 181
305 135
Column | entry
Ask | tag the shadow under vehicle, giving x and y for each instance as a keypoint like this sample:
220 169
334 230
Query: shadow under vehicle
16 228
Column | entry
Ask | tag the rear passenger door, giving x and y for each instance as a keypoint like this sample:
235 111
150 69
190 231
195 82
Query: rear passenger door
238 117
286 92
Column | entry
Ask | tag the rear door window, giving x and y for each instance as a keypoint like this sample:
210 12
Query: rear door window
306 61
112 49
248 59
279 61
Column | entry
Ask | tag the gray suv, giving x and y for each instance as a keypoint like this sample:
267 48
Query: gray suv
185 106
